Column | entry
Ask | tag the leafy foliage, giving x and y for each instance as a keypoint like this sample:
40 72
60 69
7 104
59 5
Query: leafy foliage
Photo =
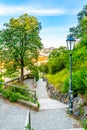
36 74
43 68
79 82
58 79
1 85
13 93
20 42
80 31
84 123
59 61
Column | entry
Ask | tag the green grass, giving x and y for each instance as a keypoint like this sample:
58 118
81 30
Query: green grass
58 79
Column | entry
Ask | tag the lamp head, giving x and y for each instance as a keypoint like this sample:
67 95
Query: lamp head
70 42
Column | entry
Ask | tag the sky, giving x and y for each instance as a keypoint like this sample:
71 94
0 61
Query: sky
56 17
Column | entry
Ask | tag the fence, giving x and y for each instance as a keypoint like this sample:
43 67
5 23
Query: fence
19 78
15 88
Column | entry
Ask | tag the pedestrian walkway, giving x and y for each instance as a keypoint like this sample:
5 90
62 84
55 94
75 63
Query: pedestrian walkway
52 114
41 90
29 83
12 116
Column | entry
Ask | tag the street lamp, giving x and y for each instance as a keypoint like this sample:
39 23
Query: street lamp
70 44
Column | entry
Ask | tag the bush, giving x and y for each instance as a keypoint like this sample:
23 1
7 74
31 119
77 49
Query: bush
14 96
15 93
84 123
24 98
6 93
36 75
1 84
21 90
57 64
43 68
38 104
79 82
58 79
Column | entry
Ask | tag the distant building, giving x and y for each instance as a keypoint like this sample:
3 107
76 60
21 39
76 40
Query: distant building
43 55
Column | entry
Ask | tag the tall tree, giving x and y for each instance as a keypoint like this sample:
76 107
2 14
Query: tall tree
20 42
79 29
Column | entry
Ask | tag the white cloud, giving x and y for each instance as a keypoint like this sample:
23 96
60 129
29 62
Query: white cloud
16 10
54 36
54 40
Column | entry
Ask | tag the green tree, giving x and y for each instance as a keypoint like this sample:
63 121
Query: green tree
57 60
20 42
80 31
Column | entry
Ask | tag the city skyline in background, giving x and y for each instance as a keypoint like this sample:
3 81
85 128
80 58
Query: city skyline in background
56 17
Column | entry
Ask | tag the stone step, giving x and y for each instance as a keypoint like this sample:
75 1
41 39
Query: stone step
50 104
53 119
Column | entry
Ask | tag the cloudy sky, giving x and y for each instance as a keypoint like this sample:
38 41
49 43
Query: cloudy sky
56 16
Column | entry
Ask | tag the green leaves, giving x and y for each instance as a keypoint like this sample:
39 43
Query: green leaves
20 41
79 82
57 60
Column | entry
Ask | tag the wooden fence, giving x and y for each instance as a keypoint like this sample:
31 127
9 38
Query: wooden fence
16 80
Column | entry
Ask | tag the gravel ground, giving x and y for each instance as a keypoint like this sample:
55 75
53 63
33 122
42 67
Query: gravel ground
12 117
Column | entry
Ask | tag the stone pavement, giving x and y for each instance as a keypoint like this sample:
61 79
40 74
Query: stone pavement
29 83
12 116
52 114
41 90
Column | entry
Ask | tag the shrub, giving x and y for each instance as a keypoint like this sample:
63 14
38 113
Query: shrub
43 68
21 90
14 96
38 104
5 93
84 123
1 85
36 75
79 82
24 98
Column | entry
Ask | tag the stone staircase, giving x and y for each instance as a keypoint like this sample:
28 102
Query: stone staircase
52 116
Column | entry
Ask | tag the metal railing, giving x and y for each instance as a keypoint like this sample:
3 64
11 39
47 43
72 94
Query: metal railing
19 78
14 88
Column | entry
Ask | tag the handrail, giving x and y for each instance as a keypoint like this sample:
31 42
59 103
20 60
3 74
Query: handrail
30 120
19 78
4 83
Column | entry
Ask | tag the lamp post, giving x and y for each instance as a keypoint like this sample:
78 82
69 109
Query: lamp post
70 44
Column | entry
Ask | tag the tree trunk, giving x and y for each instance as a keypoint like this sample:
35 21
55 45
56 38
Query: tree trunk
22 73
22 69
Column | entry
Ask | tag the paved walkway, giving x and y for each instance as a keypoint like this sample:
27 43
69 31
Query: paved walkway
29 83
52 114
41 90
12 116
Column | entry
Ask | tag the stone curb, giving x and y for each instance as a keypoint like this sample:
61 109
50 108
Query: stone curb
28 104
27 120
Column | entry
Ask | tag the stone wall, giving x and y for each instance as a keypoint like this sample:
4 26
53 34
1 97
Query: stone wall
79 103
